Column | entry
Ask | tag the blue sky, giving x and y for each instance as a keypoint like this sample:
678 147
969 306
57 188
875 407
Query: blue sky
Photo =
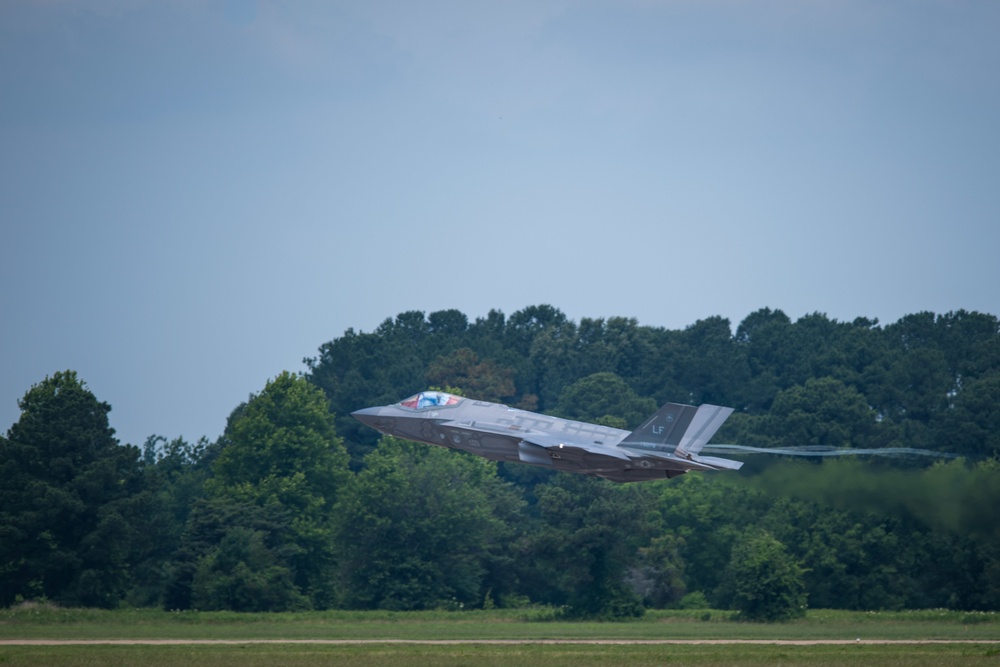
195 195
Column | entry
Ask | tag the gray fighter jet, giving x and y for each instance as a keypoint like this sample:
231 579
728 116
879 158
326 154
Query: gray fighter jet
666 445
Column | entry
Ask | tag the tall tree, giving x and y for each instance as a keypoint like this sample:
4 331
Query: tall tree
280 449
711 364
174 472
423 527
585 547
765 580
604 398
480 379
823 412
68 499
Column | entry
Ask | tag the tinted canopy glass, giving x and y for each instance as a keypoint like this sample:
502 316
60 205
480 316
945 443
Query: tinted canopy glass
430 399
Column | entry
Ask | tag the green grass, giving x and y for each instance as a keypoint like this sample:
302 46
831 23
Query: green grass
479 655
47 622
43 621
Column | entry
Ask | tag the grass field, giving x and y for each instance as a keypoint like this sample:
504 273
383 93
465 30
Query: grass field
479 655
43 621
533 625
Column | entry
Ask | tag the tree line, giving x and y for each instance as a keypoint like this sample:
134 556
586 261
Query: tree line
299 506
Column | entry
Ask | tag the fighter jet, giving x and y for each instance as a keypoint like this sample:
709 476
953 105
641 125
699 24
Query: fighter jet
666 445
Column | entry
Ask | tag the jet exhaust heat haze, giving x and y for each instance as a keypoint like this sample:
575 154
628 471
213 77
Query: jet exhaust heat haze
667 444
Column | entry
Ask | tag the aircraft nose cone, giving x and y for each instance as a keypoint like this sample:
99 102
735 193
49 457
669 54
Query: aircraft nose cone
367 415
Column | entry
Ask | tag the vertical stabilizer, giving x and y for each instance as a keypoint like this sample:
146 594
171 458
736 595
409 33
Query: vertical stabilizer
706 422
684 427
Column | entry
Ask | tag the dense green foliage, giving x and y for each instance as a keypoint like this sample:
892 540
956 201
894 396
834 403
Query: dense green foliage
420 529
262 538
300 506
763 581
70 499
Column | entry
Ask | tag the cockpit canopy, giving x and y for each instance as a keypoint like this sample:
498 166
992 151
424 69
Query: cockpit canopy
430 399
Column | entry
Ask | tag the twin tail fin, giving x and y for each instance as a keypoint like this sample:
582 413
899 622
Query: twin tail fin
685 427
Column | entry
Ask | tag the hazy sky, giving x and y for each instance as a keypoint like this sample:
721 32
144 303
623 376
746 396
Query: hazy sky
196 195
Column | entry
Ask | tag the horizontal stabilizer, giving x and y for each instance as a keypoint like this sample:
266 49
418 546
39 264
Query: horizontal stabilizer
695 462
719 463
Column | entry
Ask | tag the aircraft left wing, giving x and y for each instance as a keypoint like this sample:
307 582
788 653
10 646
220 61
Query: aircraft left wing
541 448
558 446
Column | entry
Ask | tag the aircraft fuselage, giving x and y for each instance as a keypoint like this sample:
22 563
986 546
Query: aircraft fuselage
502 433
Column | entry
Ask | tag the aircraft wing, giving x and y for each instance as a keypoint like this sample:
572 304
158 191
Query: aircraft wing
569 449
540 448
549 441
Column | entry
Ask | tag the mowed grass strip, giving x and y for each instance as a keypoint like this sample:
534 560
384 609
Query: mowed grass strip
44 622
479 655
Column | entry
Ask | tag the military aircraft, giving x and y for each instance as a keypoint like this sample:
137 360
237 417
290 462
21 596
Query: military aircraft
666 445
